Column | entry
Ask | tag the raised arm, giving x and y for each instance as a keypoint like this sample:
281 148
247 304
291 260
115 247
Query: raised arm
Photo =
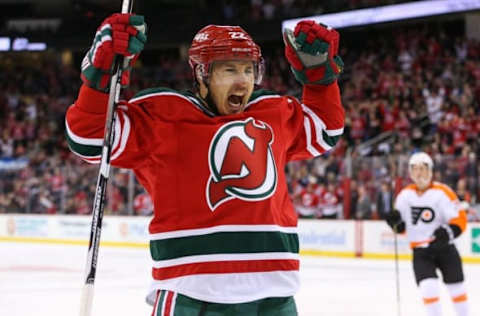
312 51
119 34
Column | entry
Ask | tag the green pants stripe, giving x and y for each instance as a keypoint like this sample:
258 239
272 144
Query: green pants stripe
173 304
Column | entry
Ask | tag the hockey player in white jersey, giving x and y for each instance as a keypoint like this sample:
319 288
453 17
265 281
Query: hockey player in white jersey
431 216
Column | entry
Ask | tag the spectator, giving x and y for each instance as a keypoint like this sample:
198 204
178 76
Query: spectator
142 204
384 200
329 205
434 100
364 204
307 202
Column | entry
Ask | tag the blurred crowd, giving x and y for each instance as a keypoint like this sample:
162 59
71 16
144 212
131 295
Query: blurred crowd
283 9
84 15
403 91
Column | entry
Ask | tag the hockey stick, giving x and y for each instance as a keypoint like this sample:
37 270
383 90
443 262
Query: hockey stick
397 273
104 171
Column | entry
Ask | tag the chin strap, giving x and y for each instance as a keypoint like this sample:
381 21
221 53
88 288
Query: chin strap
209 101
207 105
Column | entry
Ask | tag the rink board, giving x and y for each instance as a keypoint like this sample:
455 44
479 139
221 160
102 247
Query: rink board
334 238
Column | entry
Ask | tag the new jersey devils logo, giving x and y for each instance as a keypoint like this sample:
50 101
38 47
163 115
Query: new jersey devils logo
241 163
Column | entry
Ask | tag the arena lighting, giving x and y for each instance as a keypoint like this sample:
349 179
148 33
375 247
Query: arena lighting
4 44
389 13
23 44
20 43
37 46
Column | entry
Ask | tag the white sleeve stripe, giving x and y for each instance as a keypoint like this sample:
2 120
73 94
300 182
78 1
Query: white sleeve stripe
317 121
95 141
121 134
334 132
83 140
117 132
310 148
318 125
123 138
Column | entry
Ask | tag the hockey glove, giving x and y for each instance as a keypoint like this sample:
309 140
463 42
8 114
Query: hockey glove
311 49
443 235
119 34
394 220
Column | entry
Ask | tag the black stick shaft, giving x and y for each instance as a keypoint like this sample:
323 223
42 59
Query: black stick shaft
397 272
102 180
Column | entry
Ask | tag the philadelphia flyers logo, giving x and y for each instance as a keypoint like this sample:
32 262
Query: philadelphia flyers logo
241 163
425 214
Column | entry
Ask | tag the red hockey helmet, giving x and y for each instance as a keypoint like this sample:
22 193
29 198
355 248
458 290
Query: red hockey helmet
223 42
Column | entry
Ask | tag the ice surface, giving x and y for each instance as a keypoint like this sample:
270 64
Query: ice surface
46 280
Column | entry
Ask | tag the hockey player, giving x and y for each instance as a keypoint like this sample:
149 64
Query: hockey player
223 237
430 214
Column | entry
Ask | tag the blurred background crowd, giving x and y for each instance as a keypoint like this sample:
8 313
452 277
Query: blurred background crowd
406 87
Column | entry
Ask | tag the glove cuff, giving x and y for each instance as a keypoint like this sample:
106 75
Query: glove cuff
449 231
99 79
95 78
456 231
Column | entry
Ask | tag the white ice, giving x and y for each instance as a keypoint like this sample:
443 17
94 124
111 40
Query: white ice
46 280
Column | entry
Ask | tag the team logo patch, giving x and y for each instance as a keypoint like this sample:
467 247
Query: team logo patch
241 163
425 214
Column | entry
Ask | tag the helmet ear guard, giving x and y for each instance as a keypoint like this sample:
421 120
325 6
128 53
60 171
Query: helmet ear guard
259 71
201 74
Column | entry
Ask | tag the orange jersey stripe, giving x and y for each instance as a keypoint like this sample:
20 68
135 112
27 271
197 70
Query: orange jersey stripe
412 186
434 185
460 298
445 189
430 300
415 244
460 220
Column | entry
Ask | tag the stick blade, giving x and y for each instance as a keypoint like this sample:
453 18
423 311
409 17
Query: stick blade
86 300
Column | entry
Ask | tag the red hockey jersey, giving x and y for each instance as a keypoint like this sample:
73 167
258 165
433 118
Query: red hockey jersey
224 228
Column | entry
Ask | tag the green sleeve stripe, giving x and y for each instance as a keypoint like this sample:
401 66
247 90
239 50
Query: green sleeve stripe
224 243
330 140
83 150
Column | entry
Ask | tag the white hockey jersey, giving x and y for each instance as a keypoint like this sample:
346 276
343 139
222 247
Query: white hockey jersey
425 211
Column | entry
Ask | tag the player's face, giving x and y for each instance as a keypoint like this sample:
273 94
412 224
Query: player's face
231 85
421 175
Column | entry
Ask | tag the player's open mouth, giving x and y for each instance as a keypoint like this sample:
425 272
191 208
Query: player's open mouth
235 101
